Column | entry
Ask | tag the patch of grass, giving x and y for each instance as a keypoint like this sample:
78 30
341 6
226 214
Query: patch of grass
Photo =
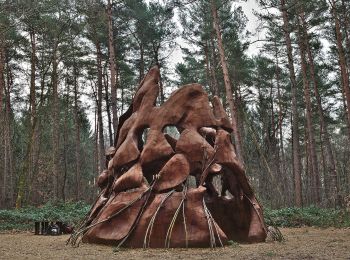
22 219
310 216
270 254
232 243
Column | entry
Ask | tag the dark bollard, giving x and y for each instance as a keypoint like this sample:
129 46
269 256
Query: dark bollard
60 226
37 228
45 226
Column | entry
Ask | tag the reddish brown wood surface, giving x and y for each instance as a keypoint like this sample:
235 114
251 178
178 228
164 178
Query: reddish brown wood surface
147 198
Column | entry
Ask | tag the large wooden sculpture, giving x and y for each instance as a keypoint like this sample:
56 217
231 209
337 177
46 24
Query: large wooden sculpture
147 199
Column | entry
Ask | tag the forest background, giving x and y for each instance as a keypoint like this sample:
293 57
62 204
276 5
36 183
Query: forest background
69 69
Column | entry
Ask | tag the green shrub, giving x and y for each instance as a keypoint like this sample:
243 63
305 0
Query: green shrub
310 216
22 219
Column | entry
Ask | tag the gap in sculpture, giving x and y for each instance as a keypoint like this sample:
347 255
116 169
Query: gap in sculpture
173 178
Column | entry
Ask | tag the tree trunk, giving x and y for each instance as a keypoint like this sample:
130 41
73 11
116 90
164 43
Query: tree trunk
346 28
330 161
55 125
213 66
99 107
326 179
8 160
65 144
295 124
2 124
122 99
207 69
108 110
228 86
33 135
2 79
273 149
280 116
77 135
308 195
32 102
32 112
160 81
342 61
112 65
142 63
311 145
96 147
344 69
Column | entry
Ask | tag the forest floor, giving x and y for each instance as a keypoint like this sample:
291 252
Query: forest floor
300 243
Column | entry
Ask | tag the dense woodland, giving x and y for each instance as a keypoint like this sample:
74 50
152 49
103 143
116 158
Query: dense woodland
68 70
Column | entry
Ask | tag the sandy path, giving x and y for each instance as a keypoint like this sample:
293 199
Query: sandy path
301 243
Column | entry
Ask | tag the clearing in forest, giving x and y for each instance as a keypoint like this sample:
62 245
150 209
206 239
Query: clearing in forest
301 243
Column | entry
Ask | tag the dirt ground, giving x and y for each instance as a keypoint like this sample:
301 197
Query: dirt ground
301 243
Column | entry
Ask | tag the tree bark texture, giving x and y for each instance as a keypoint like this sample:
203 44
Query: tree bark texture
101 141
295 123
213 66
112 65
329 156
108 109
55 125
228 85
342 61
2 79
310 129
77 135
